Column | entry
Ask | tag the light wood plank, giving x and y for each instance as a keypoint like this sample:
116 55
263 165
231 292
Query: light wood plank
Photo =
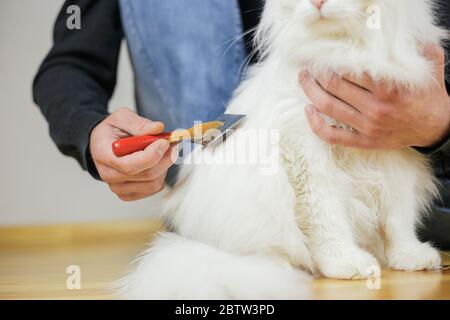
33 262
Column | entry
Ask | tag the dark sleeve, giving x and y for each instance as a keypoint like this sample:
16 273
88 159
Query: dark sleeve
77 78
251 11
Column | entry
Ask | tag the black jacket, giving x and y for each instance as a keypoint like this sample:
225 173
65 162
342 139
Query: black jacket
77 78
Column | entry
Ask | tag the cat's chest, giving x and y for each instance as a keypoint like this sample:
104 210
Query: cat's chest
306 158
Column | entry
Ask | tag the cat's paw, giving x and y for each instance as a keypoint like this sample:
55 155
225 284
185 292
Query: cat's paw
351 264
413 257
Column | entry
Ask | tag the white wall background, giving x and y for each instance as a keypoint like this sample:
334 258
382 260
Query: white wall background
38 185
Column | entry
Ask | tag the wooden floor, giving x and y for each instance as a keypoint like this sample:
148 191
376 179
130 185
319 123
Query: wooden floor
34 261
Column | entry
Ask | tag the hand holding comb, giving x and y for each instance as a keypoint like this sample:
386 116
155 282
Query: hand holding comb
219 128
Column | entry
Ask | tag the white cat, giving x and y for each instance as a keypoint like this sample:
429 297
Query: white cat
339 211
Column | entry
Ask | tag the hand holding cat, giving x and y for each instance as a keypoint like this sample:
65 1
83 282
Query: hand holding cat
381 118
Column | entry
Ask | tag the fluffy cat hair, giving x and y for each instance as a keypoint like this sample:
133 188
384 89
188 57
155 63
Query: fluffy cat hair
328 210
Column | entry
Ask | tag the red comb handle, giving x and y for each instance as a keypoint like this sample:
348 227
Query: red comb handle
127 146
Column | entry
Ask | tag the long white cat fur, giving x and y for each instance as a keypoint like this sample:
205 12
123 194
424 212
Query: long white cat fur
338 211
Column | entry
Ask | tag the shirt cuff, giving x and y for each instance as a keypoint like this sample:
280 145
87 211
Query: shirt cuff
88 161
442 147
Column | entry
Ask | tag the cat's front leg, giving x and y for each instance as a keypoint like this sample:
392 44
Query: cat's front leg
334 249
404 251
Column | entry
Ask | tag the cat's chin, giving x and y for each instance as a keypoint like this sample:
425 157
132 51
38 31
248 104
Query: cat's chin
327 29
330 29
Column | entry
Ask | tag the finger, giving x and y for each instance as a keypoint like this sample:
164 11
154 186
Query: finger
135 125
331 106
140 161
436 54
364 81
133 197
147 187
333 135
346 91
381 88
111 175
166 162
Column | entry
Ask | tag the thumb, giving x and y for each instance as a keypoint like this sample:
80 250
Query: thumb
436 54
135 125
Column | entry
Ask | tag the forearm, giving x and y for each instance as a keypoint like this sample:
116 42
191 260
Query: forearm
71 112
77 78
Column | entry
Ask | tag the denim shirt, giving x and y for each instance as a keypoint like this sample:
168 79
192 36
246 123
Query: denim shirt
185 71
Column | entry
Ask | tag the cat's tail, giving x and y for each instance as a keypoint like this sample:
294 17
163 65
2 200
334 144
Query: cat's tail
178 268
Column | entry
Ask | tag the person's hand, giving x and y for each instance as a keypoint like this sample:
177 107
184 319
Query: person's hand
140 174
382 118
